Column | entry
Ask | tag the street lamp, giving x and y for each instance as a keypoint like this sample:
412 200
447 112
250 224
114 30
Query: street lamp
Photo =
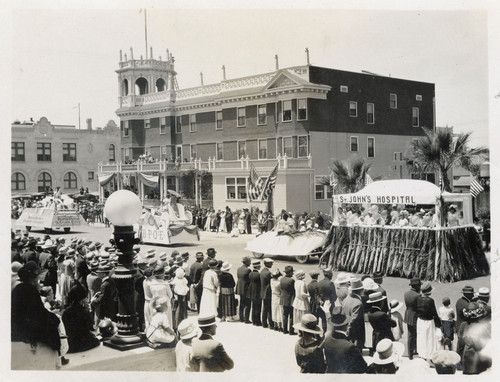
123 209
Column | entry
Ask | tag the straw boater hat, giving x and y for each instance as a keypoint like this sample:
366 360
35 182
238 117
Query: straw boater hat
369 284
395 305
48 244
206 321
255 263
356 284
308 323
150 253
483 293
269 261
225 266
445 361
163 256
187 329
388 351
342 278
375 297
338 317
200 256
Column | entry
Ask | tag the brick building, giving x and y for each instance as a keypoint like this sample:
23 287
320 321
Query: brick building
302 116
46 156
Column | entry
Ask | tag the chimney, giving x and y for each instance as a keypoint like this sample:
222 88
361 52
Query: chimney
201 76
89 123
277 64
223 72
307 55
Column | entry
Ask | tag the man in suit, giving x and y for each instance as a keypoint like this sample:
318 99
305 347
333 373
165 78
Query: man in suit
342 356
48 265
248 221
461 304
195 272
353 307
210 255
326 289
242 285
253 292
81 268
379 320
29 251
104 301
411 316
265 293
287 285
207 353
315 299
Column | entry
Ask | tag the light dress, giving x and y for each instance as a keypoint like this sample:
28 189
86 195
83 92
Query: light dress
208 304
301 301
276 308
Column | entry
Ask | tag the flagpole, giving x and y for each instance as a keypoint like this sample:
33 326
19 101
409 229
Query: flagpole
146 32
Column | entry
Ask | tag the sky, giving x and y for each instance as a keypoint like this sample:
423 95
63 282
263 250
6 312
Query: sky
65 57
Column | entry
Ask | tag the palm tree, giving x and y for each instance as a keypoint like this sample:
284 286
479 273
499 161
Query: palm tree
442 150
350 175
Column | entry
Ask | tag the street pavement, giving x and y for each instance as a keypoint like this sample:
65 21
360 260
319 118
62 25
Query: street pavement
246 342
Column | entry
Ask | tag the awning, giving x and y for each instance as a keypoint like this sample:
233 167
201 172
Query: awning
105 179
400 191
148 180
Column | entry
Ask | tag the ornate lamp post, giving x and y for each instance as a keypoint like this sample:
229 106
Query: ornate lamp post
123 209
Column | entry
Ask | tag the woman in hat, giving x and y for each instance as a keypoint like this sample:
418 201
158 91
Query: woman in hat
276 307
184 348
427 322
394 307
208 304
77 321
385 360
67 280
155 289
227 301
159 333
181 289
301 301
309 348
34 330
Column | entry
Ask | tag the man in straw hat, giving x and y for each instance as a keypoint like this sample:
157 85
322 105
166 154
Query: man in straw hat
410 317
385 360
342 286
309 347
342 356
353 307
184 349
209 354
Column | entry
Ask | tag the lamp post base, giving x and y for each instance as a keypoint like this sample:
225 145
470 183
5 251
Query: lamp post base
123 343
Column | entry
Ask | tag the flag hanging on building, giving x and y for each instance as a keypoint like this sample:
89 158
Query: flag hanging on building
255 184
368 180
270 184
475 188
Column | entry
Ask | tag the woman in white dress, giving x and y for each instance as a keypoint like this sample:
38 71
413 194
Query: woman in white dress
222 227
427 322
208 304
301 301
241 222
276 308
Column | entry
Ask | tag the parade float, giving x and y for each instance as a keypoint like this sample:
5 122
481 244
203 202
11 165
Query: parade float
441 253
52 212
168 224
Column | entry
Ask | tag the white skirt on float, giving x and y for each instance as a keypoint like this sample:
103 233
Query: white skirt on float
427 342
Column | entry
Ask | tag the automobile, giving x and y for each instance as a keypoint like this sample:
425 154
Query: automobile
299 245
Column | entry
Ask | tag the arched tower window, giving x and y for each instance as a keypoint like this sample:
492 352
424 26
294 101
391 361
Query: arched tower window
111 156
18 182
70 181
160 85
44 182
141 86
125 87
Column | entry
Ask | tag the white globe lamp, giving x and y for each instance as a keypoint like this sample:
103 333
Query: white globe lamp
123 208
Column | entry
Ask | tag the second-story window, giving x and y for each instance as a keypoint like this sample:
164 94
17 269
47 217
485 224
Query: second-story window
242 117
178 124
192 123
353 109
17 151
287 111
370 113
302 109
218 120
262 148
371 147
242 149
219 148
262 117
163 125
125 128
354 144
415 116
147 123
69 152
303 146
393 101
43 152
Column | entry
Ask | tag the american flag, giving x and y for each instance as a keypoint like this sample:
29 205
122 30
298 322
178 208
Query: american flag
270 184
475 188
255 184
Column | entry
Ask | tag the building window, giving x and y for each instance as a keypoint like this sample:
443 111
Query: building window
400 156
126 154
193 151
371 147
302 109
401 172
321 191
242 117
262 114
396 156
370 113
303 146
125 129
344 89
18 182
354 144
70 181
276 111
91 175
393 101
17 151
111 153
262 148
415 119
178 153
288 146
178 124
192 123
219 148
43 151
287 111
163 125
418 97
218 120
44 182
69 152
236 188
353 109
242 149
163 153
147 123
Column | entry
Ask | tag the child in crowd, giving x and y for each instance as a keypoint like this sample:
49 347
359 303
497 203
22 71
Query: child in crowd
184 348
397 331
447 316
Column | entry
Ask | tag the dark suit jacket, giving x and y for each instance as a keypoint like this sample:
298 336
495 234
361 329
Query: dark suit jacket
381 324
210 355
253 291
353 307
205 262
243 280
327 290
462 303
287 285
105 301
81 270
411 307
265 284
342 356
195 272
426 310
49 265
314 296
